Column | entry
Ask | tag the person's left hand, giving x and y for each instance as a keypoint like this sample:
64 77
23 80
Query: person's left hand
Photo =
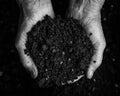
88 13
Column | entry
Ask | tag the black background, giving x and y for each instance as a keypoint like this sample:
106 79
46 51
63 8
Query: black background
14 79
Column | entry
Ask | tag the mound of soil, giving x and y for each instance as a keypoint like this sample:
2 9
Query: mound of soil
60 48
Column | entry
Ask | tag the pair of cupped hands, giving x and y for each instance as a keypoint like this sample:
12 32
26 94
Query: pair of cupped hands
88 12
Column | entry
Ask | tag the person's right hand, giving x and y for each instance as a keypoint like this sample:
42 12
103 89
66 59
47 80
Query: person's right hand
33 11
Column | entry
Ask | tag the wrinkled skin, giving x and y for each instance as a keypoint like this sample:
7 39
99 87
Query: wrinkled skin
86 11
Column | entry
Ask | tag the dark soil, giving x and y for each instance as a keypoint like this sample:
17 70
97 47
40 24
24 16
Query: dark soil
60 49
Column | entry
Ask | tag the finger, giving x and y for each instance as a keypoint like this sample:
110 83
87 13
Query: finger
20 45
97 58
99 43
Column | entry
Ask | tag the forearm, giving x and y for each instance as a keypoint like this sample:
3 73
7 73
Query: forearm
35 10
86 10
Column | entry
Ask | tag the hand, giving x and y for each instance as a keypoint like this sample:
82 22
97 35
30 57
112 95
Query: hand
34 10
88 12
